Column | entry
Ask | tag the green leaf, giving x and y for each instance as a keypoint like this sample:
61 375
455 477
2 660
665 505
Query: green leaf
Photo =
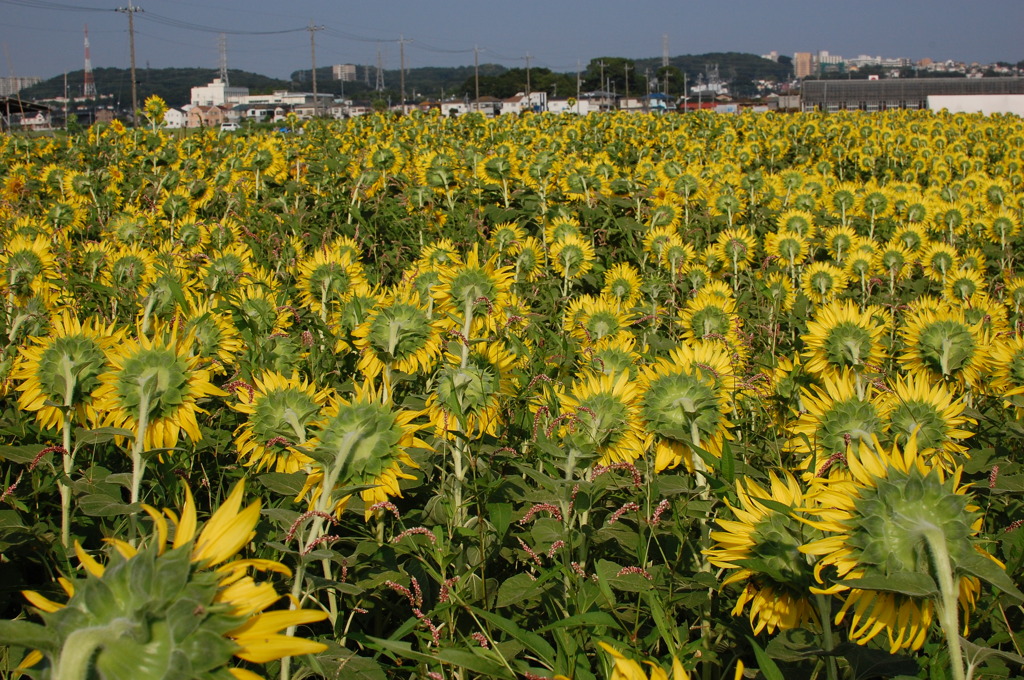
516 589
100 435
870 662
531 641
589 620
500 515
910 583
21 454
977 654
471 660
283 483
102 505
768 668
1009 484
486 662
26 634
987 570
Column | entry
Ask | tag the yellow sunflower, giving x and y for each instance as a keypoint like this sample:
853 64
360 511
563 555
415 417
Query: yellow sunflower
778 587
841 336
281 414
684 401
27 266
361 443
469 390
63 369
822 282
918 406
842 414
153 388
600 417
327 279
397 335
184 598
590 318
893 514
944 346
622 283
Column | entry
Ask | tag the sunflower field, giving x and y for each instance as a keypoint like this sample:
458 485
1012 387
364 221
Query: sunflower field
624 396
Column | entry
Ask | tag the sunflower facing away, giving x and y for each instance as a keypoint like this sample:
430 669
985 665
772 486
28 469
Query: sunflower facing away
763 545
179 602
281 414
890 516
154 385
63 368
361 443
685 397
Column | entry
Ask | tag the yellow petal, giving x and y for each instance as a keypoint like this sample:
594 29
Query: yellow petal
126 549
272 622
161 526
273 647
228 530
40 602
243 674
31 659
88 563
186 526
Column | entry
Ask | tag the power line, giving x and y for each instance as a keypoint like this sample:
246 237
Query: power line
187 25
45 4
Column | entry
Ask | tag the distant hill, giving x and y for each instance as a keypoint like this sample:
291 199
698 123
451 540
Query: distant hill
174 85
428 81
736 69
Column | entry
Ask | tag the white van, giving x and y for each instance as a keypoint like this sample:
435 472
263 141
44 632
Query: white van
229 127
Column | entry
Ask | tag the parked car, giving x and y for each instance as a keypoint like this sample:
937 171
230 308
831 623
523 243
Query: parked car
229 127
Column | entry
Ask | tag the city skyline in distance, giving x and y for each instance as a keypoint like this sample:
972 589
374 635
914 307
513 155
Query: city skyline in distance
46 38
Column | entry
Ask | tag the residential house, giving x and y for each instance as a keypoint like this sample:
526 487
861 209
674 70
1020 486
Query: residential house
175 118
207 116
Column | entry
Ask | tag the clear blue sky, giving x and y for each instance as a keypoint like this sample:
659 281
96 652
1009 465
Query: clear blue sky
44 37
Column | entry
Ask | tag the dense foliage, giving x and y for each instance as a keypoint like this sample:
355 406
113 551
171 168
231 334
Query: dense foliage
529 397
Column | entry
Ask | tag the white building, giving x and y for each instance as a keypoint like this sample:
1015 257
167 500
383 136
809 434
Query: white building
287 98
344 72
219 93
174 118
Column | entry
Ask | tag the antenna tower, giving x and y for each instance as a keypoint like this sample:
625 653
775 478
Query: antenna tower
222 44
380 71
664 49
89 86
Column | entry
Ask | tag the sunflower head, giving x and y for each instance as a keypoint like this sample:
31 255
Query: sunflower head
763 545
361 443
180 603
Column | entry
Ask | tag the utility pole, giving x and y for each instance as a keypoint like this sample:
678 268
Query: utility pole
476 76
647 98
528 80
312 28
602 65
401 72
130 10
627 68
578 69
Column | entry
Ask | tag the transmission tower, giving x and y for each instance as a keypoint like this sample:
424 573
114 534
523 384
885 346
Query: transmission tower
380 71
222 44
89 86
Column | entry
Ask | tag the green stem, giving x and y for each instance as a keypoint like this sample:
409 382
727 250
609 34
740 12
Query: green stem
948 596
824 605
64 486
76 656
